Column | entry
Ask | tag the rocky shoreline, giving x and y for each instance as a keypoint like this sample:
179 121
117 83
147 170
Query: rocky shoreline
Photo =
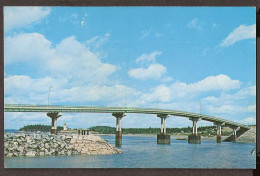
31 145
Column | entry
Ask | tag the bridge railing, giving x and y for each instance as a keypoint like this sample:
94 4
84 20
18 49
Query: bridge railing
98 109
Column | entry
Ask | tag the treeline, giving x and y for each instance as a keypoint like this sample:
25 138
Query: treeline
35 128
111 130
204 130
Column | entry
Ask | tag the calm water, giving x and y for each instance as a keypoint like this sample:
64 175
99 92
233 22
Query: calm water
143 152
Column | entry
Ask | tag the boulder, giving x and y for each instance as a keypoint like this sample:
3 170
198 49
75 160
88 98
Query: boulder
20 149
9 155
47 145
30 153
6 144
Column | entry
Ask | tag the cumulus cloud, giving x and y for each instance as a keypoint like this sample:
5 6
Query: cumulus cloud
20 16
36 92
154 71
184 91
240 33
27 47
68 57
219 82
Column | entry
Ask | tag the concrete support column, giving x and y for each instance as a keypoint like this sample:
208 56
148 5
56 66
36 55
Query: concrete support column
163 138
163 123
235 133
118 116
194 138
54 117
219 125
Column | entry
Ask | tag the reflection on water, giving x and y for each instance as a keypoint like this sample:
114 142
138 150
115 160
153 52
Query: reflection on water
144 152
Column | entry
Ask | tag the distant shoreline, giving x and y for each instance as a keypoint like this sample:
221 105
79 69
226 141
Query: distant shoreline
177 137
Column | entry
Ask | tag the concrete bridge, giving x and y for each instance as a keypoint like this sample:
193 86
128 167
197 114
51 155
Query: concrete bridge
54 112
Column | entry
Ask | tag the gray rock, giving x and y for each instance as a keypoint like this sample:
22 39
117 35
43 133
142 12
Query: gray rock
20 149
46 145
34 146
41 154
30 153
6 144
9 155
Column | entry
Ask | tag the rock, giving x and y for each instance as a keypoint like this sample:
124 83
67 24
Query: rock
9 155
6 144
46 145
41 154
68 138
30 153
20 149
62 145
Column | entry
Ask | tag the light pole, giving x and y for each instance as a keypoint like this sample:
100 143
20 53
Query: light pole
49 95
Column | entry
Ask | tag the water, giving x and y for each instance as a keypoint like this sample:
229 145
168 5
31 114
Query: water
143 152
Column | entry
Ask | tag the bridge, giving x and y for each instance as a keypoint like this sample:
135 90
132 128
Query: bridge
54 112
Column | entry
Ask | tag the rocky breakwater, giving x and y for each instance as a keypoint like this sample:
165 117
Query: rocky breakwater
248 137
48 145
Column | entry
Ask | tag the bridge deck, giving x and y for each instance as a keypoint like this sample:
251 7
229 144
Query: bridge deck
95 109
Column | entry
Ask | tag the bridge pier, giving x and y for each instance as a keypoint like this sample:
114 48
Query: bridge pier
194 138
219 125
235 133
118 116
54 116
163 138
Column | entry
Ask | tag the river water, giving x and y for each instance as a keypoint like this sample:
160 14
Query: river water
143 152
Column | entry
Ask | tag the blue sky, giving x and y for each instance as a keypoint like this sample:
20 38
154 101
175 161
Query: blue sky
166 57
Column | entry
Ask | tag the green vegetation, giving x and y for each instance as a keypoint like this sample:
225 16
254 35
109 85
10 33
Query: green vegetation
42 128
204 131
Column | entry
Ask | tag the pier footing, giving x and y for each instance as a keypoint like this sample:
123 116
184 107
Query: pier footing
194 139
54 131
118 142
218 138
163 139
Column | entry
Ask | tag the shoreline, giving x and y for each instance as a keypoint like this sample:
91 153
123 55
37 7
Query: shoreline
176 137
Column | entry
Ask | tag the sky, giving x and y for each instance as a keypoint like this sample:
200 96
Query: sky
194 59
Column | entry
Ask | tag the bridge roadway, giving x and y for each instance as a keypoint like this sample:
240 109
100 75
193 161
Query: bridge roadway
97 109
119 112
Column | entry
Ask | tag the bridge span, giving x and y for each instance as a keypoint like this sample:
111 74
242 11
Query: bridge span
54 112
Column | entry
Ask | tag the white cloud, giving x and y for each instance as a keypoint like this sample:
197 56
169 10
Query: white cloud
26 90
154 71
148 58
240 33
20 16
184 92
28 47
35 49
249 121
219 82
195 24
